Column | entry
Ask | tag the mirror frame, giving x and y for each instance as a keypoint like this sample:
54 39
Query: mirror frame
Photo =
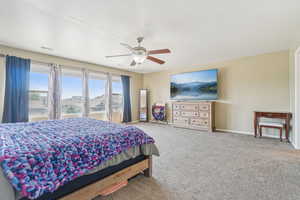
147 109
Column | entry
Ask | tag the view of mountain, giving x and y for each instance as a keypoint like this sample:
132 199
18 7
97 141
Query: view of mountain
201 85
73 105
194 90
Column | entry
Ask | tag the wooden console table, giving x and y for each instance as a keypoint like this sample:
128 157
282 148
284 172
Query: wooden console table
279 115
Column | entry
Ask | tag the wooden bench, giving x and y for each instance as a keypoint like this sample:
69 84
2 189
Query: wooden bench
286 116
275 125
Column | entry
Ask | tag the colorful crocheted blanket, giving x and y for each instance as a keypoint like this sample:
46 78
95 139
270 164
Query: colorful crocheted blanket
41 156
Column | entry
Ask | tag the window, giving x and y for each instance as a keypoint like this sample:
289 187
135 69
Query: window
117 99
97 96
72 99
38 92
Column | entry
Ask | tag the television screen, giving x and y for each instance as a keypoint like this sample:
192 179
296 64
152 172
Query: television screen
200 85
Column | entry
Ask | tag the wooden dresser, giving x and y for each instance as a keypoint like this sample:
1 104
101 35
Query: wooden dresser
194 115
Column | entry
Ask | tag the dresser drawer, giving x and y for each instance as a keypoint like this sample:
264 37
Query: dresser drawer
194 107
204 114
200 122
189 114
194 115
176 113
180 120
204 107
176 106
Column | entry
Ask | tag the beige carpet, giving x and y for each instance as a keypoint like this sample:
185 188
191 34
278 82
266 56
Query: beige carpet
215 166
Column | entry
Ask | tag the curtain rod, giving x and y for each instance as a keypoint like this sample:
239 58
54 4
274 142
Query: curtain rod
34 61
72 67
93 70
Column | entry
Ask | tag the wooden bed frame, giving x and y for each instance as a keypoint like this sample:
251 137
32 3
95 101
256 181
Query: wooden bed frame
91 191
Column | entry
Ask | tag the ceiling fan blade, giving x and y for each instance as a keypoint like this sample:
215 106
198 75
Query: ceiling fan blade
118 55
159 61
159 51
127 46
133 63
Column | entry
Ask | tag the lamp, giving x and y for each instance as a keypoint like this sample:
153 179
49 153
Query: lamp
140 55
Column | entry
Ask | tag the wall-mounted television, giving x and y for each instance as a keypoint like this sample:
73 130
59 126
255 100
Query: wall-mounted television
199 85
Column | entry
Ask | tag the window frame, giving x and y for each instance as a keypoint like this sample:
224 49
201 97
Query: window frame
85 108
98 76
41 69
117 115
74 73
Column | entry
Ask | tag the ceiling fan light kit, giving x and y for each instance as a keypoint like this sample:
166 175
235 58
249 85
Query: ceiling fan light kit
139 58
140 54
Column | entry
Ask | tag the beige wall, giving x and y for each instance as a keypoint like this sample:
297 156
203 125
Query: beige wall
136 79
245 85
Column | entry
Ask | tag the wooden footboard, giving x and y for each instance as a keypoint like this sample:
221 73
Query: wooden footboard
91 191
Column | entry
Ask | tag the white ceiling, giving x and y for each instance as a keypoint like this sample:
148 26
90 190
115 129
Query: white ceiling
197 31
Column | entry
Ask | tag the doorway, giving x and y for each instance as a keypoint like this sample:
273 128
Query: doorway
297 100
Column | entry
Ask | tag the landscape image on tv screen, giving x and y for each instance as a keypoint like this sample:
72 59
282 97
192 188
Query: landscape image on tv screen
200 85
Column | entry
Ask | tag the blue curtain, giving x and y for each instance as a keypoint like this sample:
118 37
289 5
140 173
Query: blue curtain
16 102
126 102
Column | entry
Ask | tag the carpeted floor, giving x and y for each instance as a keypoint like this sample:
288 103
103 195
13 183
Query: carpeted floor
216 166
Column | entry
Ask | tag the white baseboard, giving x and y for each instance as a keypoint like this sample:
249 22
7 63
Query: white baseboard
135 121
245 133
294 145
250 133
241 132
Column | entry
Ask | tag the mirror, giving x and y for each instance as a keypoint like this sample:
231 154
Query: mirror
143 106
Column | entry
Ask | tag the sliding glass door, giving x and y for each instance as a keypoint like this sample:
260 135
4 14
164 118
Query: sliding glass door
100 96
97 84
117 99
71 96
38 92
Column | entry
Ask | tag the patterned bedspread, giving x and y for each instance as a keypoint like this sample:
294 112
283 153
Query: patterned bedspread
41 156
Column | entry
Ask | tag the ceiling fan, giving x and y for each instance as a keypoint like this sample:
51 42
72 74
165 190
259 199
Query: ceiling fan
140 54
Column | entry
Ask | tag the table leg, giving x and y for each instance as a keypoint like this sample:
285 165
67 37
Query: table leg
260 131
280 133
287 130
255 126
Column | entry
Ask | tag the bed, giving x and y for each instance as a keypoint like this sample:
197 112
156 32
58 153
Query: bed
70 158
